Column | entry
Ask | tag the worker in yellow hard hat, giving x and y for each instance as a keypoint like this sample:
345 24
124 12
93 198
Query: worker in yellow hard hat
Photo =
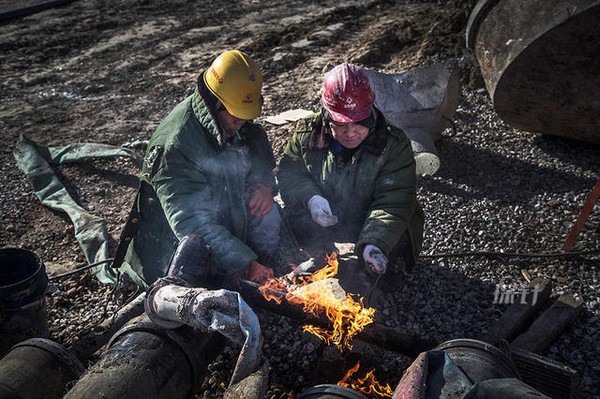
208 171
236 81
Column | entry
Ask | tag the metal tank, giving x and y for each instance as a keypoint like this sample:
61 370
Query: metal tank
540 61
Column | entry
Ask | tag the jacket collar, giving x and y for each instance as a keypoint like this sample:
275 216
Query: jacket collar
206 113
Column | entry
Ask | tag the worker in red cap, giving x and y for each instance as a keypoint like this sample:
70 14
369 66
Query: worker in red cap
348 176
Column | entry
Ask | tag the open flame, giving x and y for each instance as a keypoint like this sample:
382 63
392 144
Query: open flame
367 385
318 295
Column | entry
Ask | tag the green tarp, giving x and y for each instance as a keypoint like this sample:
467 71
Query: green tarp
37 162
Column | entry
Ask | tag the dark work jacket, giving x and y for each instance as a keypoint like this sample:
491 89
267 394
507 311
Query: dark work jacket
373 191
193 182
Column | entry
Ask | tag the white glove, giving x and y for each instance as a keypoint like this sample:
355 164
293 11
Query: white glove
375 260
320 211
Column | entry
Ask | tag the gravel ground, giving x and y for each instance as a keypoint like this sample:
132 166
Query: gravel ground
498 189
504 191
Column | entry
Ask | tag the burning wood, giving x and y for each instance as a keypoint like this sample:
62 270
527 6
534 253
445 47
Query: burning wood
320 294
367 385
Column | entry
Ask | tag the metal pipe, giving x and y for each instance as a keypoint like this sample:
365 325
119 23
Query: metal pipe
145 360
23 286
37 368
32 9
540 62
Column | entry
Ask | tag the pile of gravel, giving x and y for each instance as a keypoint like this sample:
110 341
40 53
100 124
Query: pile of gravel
498 192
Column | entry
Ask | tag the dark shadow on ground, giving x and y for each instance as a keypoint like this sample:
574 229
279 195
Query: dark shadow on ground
578 153
479 170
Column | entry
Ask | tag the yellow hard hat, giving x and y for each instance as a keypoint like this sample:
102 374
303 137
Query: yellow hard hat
235 79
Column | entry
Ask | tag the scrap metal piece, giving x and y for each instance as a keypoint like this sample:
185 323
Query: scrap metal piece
422 102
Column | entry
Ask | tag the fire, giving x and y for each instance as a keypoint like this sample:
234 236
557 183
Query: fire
320 294
367 385
328 271
273 290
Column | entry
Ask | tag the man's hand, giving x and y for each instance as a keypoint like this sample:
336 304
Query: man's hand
258 273
260 199
320 211
375 260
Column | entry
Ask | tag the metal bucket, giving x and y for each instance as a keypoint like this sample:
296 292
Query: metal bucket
23 285
541 63
330 391
479 360
37 368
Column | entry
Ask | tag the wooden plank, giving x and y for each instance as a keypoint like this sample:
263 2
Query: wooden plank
549 325
519 315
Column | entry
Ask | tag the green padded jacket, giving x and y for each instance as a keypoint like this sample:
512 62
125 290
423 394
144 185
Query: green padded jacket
193 182
375 189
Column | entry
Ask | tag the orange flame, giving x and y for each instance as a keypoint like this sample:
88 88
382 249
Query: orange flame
328 271
367 385
273 290
348 316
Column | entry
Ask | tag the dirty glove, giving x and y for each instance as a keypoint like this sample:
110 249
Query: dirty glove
375 260
260 199
258 273
320 211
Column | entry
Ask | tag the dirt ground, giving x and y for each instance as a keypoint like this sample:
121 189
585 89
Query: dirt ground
108 72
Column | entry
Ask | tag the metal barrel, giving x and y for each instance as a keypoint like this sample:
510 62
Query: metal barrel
23 285
330 391
144 360
479 360
37 368
540 61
